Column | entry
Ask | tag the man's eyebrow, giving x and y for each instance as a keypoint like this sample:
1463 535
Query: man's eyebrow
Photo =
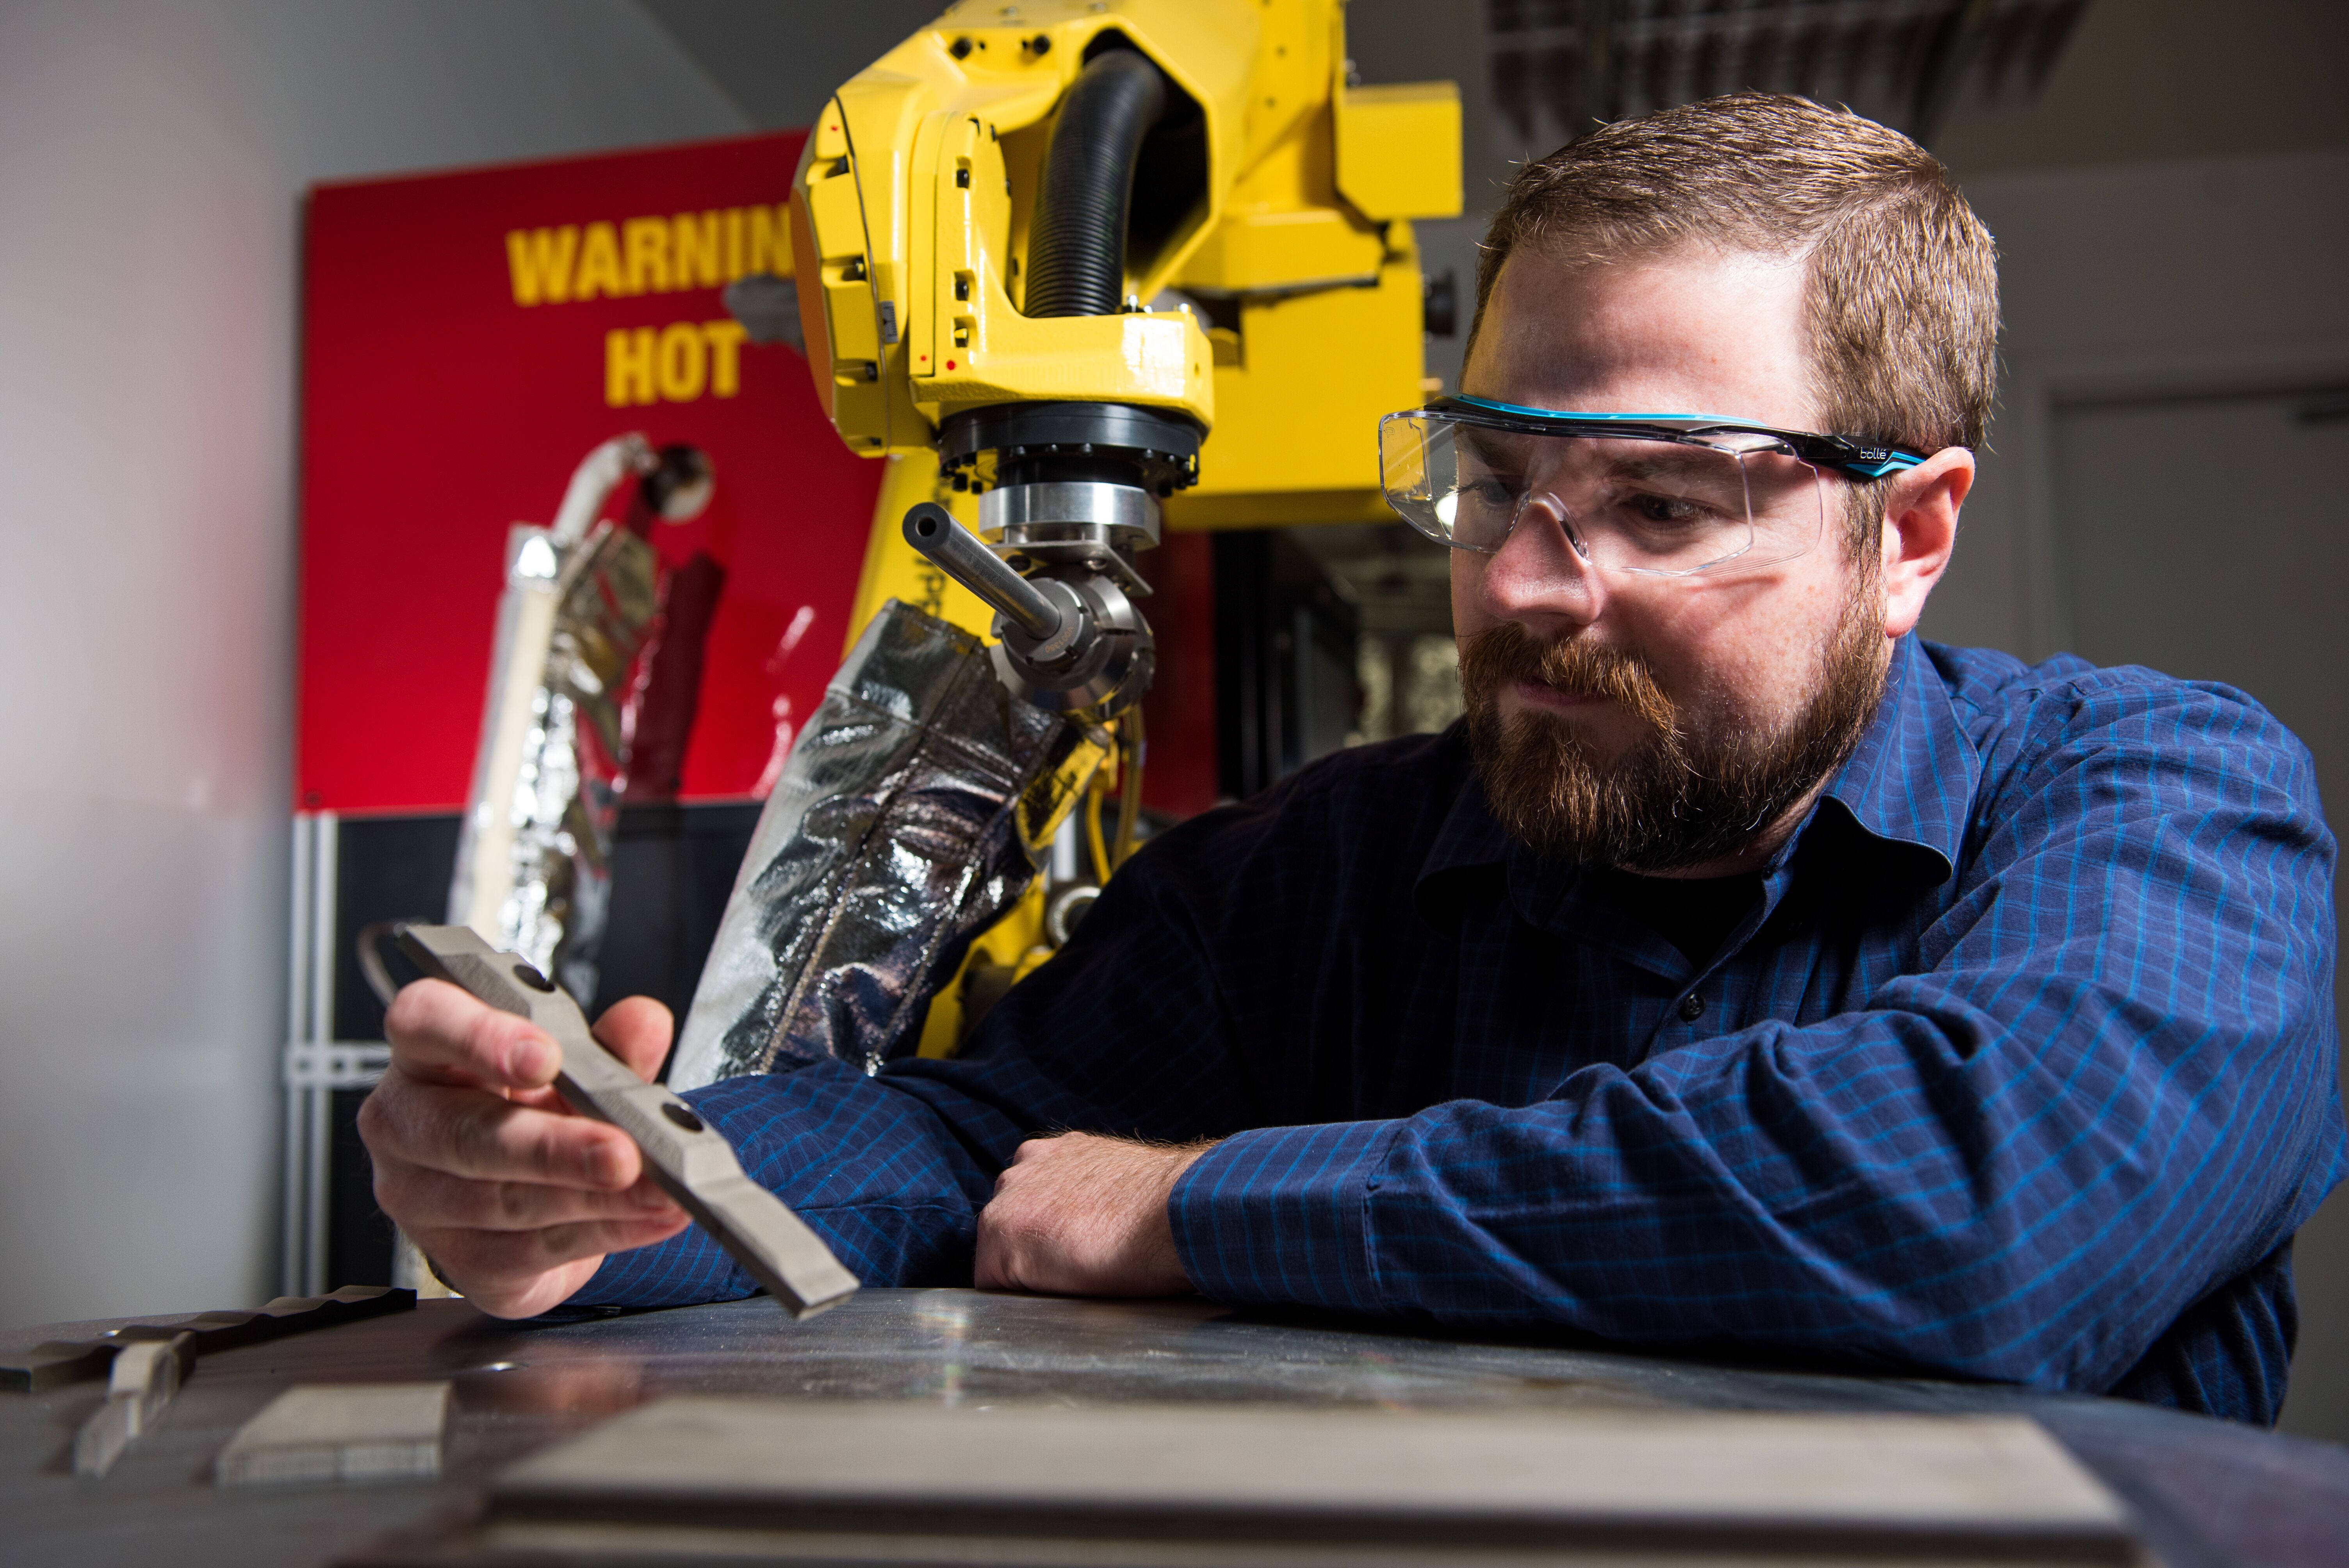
1667 459
1493 446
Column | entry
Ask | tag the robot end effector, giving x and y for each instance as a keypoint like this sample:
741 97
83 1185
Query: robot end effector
1071 642
1112 151
1076 484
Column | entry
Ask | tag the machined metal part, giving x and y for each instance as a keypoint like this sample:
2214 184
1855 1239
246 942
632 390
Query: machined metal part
1071 643
691 1160
957 551
1052 512
61 1361
999 444
1090 525
768 306
912 813
1107 668
145 1376
340 1431
1068 906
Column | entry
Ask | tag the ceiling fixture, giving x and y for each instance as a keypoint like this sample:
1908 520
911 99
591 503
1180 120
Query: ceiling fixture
1559 67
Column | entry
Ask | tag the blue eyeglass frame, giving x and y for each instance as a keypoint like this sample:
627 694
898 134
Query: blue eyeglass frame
1843 453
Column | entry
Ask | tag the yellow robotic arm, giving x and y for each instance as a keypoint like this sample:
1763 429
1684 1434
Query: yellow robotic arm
1083 269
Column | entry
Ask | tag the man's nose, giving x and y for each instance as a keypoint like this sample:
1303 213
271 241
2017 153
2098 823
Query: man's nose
1539 580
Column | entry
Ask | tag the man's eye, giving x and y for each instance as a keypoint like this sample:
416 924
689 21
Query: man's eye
1670 511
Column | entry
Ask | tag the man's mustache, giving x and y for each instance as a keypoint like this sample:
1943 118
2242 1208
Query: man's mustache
1570 665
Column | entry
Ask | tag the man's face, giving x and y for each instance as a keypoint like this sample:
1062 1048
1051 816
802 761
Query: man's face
1658 723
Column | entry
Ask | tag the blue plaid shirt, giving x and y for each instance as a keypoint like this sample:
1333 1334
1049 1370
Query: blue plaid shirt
2022 1067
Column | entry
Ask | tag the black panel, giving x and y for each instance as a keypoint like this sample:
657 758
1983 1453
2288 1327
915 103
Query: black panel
358 1236
386 868
1247 701
1285 687
672 870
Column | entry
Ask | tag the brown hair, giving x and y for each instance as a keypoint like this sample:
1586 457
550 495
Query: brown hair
1902 298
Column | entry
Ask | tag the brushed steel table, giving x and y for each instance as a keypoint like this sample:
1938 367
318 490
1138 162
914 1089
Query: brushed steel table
2203 1492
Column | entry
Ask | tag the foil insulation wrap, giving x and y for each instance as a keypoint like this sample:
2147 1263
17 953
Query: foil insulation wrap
533 854
912 812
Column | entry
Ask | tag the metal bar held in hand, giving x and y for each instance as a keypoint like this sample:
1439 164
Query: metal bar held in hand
690 1160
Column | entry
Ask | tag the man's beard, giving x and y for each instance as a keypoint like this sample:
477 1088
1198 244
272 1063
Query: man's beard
1694 787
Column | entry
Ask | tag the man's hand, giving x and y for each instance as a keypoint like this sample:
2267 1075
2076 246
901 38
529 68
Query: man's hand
1084 1215
514 1197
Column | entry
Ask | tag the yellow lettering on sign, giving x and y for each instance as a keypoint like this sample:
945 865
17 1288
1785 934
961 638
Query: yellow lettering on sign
540 262
696 251
645 240
628 355
644 255
684 362
771 240
725 340
599 265
675 364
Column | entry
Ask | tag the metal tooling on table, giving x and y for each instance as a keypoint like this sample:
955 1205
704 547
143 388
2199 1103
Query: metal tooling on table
2204 1491
63 1361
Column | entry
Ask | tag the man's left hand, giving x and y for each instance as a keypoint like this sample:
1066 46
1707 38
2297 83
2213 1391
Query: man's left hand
1080 1214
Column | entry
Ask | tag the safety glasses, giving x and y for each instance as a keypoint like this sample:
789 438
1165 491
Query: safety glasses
1659 494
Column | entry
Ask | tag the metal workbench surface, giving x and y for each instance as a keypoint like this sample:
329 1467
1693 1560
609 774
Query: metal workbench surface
2204 1491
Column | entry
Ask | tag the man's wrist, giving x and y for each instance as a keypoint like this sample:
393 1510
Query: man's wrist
1179 1161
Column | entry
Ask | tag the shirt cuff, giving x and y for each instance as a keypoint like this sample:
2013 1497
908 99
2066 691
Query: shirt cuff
1281 1215
688 1268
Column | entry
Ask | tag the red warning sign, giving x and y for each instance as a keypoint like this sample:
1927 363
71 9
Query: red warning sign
469 337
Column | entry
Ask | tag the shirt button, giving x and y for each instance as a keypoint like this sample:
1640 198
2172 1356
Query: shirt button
1691 1007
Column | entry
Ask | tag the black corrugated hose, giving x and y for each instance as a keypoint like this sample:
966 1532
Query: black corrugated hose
1076 245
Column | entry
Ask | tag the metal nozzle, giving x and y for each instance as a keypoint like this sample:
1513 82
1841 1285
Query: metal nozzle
957 551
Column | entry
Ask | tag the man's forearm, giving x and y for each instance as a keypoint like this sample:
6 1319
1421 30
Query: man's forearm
1847 1190
877 1171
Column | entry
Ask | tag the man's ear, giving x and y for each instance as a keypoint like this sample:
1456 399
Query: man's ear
1920 528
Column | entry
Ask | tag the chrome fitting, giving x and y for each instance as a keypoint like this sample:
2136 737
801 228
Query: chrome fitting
1097 673
1060 513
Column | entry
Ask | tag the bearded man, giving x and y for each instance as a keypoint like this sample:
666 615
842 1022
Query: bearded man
1744 973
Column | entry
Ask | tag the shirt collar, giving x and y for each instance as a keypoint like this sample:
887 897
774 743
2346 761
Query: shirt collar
1910 781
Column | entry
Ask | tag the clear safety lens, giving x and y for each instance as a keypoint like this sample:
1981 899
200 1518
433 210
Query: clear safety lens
1667 507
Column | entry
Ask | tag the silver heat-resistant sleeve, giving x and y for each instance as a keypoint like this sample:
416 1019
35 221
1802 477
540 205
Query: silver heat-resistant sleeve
533 855
910 816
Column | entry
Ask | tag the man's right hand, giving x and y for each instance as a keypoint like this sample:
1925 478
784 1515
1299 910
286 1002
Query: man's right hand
514 1197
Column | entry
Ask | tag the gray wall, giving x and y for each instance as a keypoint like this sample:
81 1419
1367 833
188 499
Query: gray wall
2135 279
151 163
